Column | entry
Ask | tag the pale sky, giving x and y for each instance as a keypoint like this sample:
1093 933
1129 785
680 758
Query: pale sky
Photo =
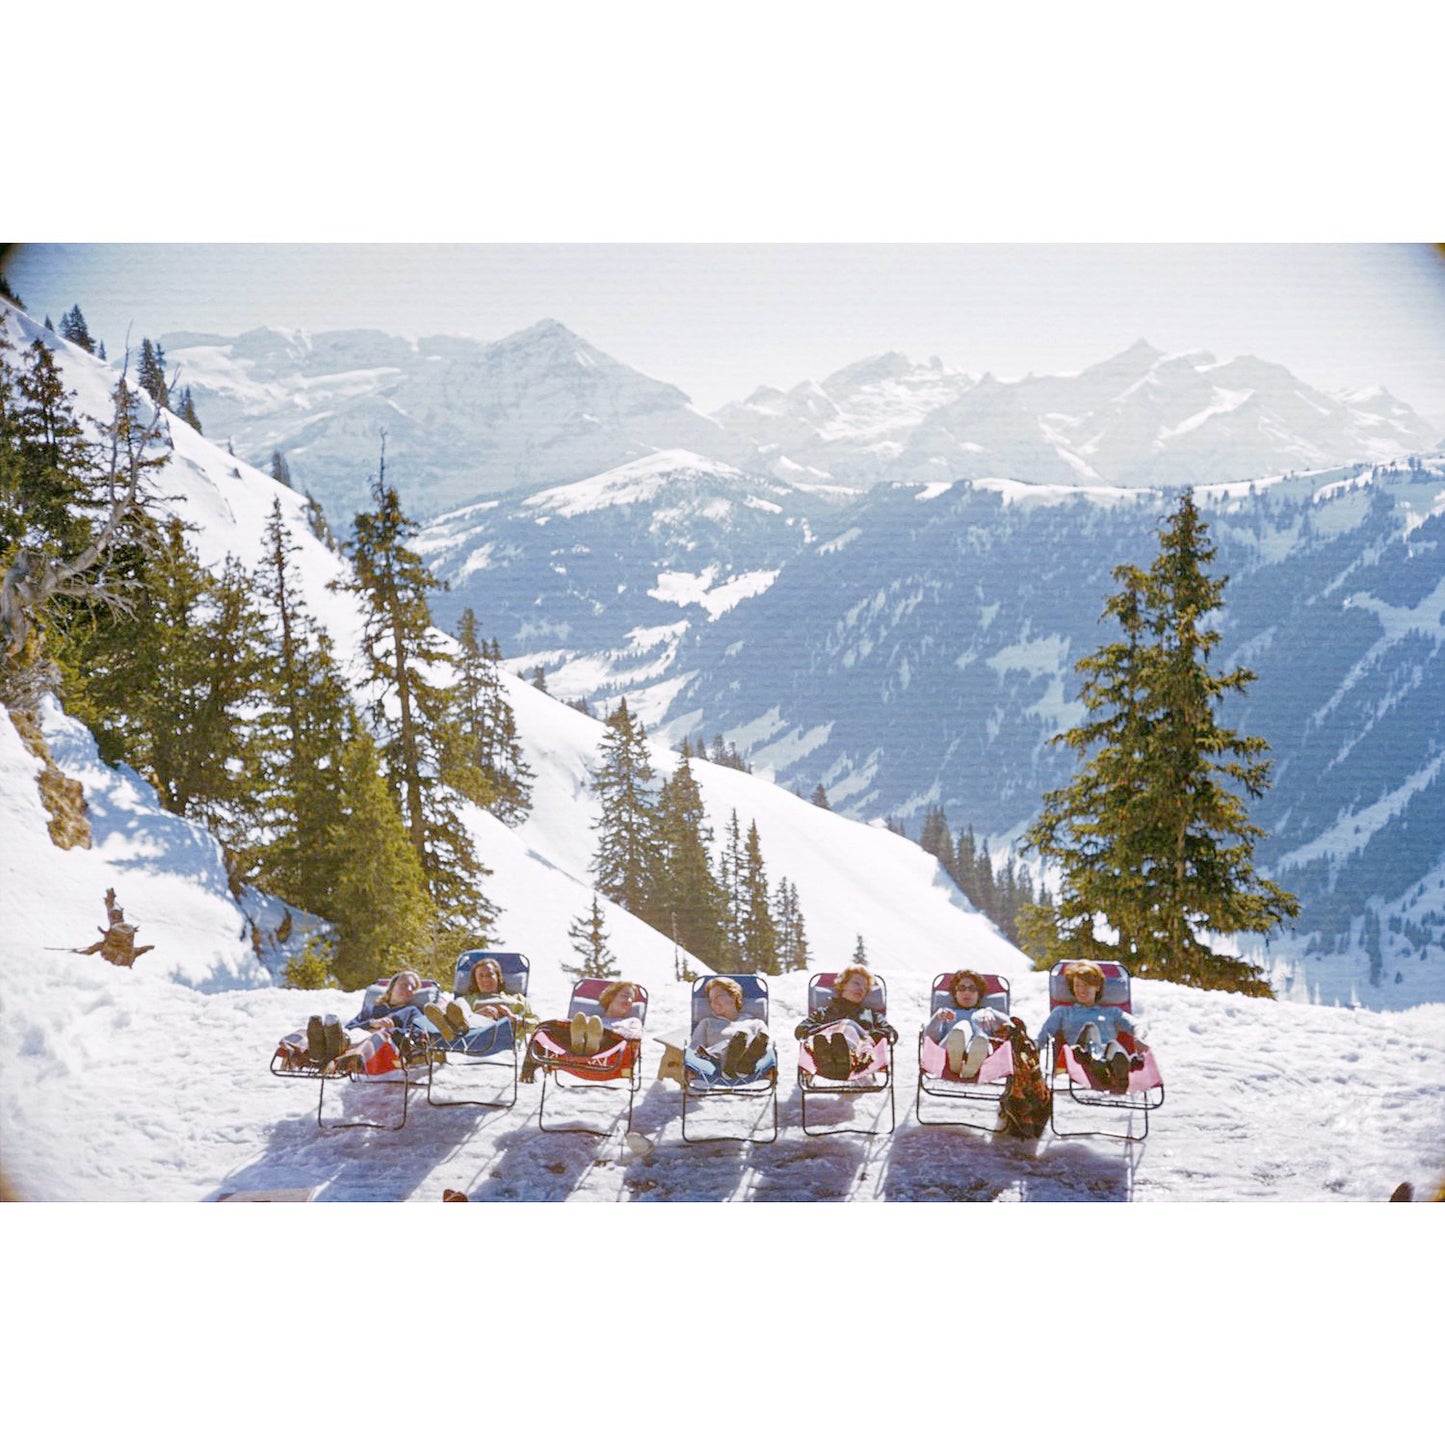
719 320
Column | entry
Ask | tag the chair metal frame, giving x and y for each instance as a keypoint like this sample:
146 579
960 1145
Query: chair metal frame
945 1087
584 999
513 967
755 989
869 1083
1117 993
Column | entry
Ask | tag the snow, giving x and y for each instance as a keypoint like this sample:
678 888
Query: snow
1353 830
696 589
151 1083
631 484
1221 402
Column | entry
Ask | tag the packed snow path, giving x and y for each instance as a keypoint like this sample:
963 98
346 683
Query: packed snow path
126 1087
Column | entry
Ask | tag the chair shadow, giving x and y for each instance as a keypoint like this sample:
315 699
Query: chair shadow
953 1164
349 1165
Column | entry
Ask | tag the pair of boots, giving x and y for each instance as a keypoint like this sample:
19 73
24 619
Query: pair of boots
966 1056
833 1055
325 1039
452 1022
1111 1074
586 1034
742 1054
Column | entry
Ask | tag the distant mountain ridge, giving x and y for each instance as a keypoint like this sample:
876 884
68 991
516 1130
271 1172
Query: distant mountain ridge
467 419
916 646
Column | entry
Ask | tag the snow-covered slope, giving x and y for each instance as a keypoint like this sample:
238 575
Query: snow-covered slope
609 572
151 1083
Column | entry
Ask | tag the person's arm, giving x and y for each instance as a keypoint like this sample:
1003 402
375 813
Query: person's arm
1052 1025
877 1025
624 1028
938 1026
814 1021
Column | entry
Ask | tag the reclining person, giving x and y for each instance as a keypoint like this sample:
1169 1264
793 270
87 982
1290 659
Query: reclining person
483 1020
967 1030
1093 1030
841 1033
588 1036
325 1043
724 1044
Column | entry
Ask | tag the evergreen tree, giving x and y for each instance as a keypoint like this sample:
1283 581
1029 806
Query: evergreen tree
50 494
935 837
151 372
378 896
539 678
1153 835
280 471
820 798
491 751
759 931
589 939
186 410
793 952
74 329
174 687
306 728
860 954
8 292
732 877
413 713
628 857
689 901
320 527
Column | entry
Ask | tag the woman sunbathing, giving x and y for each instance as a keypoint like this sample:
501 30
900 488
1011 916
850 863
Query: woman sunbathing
841 1033
1093 1030
326 1044
484 1019
967 1030
724 1044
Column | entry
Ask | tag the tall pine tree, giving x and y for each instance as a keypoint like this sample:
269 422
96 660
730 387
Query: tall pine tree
629 849
1153 834
759 931
412 712
689 902
489 746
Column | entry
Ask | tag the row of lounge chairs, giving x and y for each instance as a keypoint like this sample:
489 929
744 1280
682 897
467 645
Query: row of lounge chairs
450 1074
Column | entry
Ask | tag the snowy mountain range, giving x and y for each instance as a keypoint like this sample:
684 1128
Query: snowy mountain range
150 1083
544 407
916 648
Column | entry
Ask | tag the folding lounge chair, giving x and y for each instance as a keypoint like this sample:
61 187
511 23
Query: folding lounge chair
761 1083
1146 1087
876 1078
938 1081
408 1055
617 1067
503 1050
